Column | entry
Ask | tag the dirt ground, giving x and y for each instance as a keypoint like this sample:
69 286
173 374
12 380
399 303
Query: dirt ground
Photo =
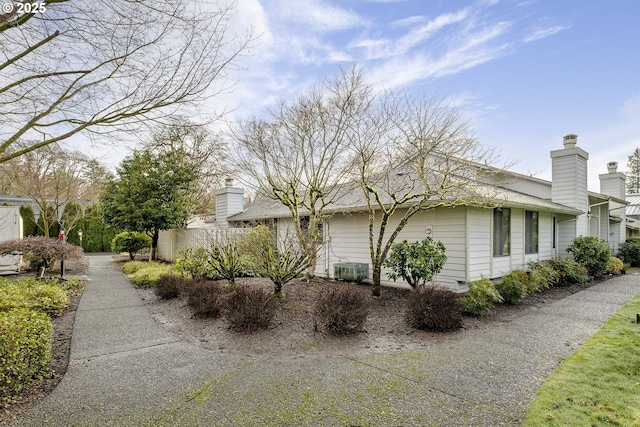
292 333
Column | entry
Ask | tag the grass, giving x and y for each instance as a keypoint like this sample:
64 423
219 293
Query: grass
599 384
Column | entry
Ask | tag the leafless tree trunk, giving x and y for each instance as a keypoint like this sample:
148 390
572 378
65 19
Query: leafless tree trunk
412 155
300 156
108 66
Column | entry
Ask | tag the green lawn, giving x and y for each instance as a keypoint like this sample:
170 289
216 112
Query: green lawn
599 384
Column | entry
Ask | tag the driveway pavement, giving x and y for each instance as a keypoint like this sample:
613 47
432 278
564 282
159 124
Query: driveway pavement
125 370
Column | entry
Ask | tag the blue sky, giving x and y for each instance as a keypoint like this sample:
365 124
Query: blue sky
525 72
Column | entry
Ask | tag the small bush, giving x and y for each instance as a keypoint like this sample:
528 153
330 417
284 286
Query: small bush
148 277
169 286
130 242
25 349
342 310
569 271
249 309
225 261
591 252
252 245
615 265
41 252
282 267
416 262
513 286
630 251
481 298
204 297
542 275
131 267
434 308
195 264
33 294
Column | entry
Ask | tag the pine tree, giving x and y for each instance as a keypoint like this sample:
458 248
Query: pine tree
633 172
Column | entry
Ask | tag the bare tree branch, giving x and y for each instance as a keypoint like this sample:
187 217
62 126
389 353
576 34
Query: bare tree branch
109 66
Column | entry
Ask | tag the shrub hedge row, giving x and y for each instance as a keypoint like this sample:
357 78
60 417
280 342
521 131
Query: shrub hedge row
26 308
25 349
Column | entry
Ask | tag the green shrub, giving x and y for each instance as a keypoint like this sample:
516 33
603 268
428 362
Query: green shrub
630 251
481 298
591 252
282 267
416 262
342 310
132 266
434 308
204 297
569 271
252 245
148 277
34 294
542 275
169 286
130 242
25 349
513 286
225 261
249 309
195 264
615 265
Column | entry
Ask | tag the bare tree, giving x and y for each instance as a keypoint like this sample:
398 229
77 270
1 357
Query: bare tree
53 178
412 155
300 155
205 148
107 66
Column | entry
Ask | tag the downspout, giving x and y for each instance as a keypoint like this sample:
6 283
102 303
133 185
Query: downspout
589 215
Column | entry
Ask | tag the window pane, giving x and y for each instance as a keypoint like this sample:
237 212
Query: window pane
501 231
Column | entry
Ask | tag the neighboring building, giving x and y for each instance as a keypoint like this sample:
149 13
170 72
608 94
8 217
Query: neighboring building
532 219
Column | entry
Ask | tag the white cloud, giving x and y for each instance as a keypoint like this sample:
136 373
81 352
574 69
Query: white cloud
470 50
317 15
542 33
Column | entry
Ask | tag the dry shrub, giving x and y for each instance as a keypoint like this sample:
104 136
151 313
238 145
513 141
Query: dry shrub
169 286
204 297
342 310
434 308
248 309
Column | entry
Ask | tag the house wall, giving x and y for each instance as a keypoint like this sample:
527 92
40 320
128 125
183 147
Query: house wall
482 263
346 239
466 233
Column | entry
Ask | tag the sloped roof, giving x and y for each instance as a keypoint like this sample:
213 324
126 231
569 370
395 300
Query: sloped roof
354 201
633 209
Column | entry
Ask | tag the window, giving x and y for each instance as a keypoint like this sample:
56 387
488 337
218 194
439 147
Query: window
530 232
501 231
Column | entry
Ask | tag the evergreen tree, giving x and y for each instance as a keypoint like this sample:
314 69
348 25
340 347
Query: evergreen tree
29 226
633 172
153 192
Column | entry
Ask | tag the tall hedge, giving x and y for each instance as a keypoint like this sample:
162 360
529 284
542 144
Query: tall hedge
97 235
29 226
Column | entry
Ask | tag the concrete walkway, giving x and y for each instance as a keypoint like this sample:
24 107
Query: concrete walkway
125 370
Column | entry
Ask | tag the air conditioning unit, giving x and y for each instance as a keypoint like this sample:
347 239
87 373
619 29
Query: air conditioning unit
356 271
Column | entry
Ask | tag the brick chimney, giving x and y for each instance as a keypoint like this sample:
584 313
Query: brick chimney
229 201
569 188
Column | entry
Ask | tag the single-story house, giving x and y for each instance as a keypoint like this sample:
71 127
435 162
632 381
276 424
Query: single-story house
532 219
